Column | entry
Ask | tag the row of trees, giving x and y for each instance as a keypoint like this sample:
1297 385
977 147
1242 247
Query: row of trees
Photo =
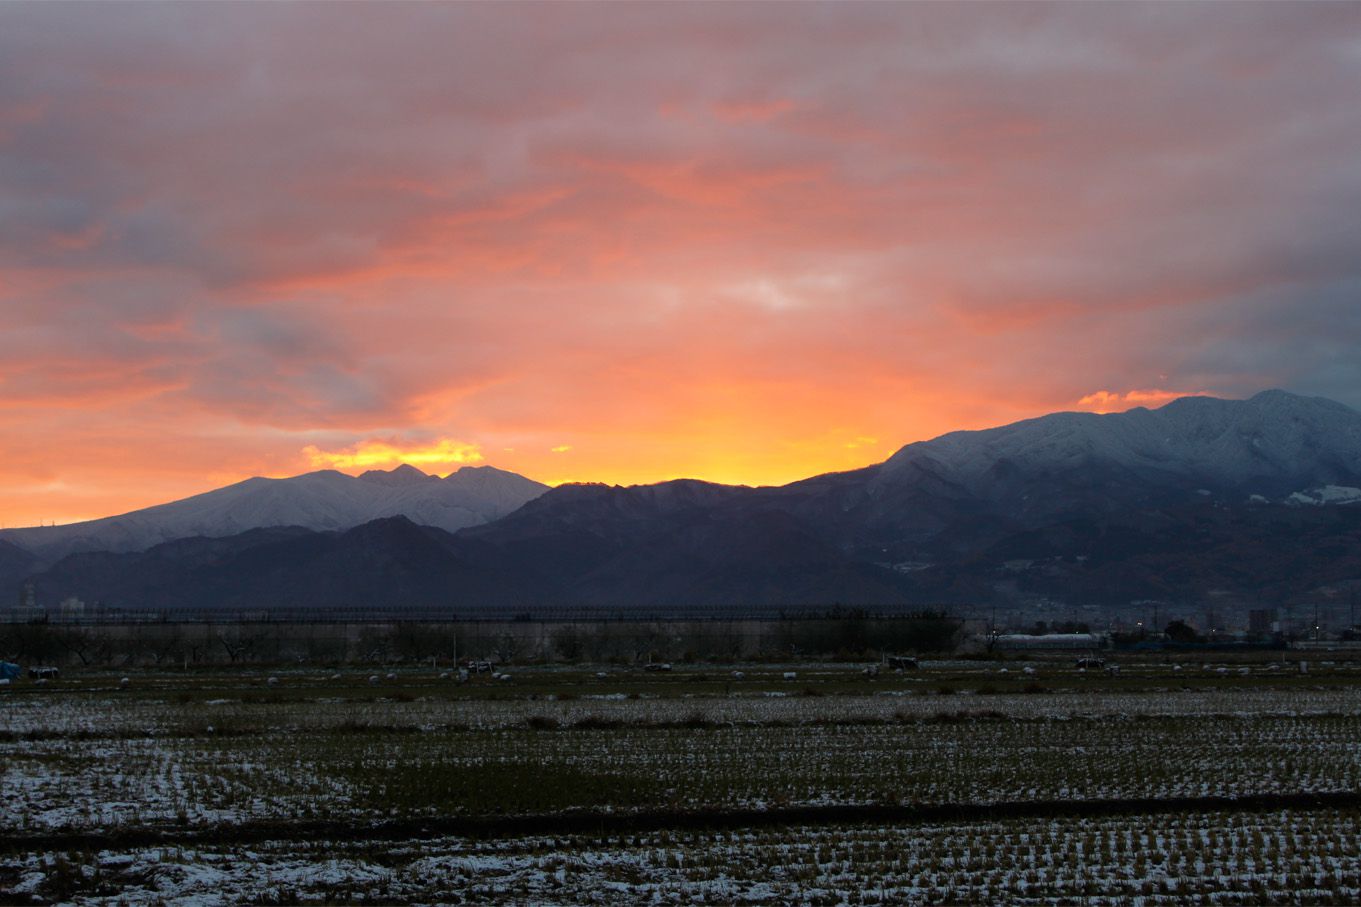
848 635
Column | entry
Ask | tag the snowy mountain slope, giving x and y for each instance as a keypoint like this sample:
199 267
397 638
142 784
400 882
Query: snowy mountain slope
325 500
962 491
1328 494
1274 443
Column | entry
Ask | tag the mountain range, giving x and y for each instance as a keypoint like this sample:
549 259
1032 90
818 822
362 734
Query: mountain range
321 500
1255 498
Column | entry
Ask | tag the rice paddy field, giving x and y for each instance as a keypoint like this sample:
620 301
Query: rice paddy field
961 782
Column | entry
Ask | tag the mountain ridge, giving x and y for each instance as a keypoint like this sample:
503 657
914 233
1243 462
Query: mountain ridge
323 500
1239 484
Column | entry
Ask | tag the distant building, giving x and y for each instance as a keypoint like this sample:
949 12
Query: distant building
1262 621
28 608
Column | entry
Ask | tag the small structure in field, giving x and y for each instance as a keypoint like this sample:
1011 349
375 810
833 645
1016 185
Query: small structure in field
1052 641
44 673
901 663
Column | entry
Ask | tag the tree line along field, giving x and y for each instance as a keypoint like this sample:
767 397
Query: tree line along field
963 781
108 642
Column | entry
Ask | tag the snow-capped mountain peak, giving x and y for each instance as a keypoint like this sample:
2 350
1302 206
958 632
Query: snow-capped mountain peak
325 500
404 474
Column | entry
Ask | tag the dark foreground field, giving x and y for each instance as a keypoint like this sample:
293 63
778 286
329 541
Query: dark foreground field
961 782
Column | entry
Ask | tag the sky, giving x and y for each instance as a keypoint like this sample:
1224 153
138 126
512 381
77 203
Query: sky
633 242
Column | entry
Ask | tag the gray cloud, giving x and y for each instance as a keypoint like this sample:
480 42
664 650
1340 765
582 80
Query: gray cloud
1019 187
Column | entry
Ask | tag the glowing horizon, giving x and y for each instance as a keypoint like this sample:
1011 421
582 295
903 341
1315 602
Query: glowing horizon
744 243
446 455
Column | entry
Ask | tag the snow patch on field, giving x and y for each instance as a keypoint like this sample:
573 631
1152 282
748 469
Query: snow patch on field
1152 859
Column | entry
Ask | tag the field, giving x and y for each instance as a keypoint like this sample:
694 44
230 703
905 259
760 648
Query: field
961 782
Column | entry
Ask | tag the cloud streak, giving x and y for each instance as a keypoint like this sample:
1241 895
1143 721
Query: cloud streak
1115 401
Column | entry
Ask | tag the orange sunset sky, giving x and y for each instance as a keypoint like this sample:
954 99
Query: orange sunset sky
625 243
